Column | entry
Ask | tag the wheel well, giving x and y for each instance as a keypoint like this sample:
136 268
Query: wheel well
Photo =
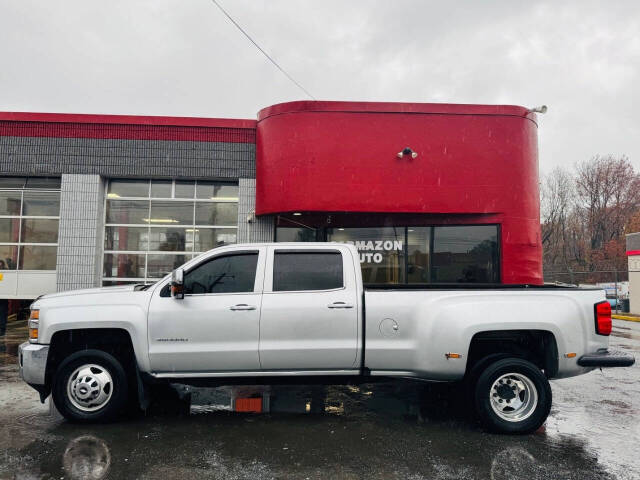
115 341
537 346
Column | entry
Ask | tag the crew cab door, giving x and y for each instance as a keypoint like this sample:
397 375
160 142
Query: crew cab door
310 306
215 328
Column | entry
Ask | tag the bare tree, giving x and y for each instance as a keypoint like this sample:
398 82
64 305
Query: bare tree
585 215
608 194
556 194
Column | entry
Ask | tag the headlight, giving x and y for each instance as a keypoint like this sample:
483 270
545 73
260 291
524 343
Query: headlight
34 322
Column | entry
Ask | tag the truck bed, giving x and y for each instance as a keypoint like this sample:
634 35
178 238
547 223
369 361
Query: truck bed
414 328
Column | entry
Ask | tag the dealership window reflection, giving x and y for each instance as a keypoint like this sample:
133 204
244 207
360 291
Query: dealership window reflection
465 254
381 251
152 227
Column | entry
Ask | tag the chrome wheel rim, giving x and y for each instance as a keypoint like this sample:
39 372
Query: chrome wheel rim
513 397
90 387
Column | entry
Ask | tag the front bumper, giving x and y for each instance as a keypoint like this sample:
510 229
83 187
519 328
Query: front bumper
606 358
32 359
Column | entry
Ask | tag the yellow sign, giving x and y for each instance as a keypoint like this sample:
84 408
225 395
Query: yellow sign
1 276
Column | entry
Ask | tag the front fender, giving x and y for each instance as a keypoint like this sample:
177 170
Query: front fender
130 317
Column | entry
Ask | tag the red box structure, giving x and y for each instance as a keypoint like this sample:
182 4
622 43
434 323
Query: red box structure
475 164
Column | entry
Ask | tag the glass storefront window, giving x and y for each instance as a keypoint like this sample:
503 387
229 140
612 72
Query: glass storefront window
208 238
467 254
29 211
9 230
124 265
51 183
161 188
381 251
296 234
12 182
418 248
160 265
414 254
10 203
128 188
169 239
216 213
41 204
165 216
212 190
185 189
37 257
127 211
126 238
8 257
39 230
171 212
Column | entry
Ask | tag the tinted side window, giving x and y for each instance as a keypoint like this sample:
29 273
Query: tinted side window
228 274
307 271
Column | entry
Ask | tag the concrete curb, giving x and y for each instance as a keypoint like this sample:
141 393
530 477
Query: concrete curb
626 318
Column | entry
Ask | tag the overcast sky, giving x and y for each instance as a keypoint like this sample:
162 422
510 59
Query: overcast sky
185 58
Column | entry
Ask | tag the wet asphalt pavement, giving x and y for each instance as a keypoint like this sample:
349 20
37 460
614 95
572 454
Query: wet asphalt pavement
381 431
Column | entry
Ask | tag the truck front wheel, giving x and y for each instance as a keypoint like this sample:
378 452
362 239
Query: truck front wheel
90 386
512 395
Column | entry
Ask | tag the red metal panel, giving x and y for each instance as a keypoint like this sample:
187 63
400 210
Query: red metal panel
127 127
341 157
394 107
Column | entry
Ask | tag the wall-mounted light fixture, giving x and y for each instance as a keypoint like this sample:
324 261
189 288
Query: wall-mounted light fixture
407 151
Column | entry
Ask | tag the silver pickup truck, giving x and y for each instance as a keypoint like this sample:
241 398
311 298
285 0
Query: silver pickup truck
256 313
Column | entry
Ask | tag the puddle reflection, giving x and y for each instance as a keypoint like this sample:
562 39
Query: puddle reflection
87 458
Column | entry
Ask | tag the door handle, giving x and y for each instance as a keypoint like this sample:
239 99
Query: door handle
340 305
242 306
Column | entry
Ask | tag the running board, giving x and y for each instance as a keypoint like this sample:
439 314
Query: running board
259 373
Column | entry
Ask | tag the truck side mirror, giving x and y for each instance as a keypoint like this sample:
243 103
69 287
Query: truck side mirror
177 283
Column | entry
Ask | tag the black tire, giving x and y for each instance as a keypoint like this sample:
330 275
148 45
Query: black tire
118 388
484 390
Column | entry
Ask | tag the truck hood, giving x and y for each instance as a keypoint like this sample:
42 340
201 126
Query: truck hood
90 291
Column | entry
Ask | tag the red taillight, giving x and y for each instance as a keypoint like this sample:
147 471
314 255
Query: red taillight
603 318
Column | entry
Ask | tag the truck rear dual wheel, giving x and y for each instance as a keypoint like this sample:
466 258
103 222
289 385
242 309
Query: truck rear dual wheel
512 395
90 386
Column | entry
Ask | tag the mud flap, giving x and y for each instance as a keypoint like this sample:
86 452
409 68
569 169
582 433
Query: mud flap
143 392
